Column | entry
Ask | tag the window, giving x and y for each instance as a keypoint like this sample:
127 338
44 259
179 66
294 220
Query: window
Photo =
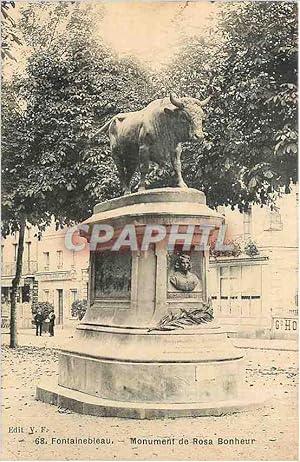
247 223
46 295
5 294
28 227
28 245
28 255
229 276
73 259
15 251
73 298
18 295
26 294
251 282
275 219
59 257
240 290
73 295
46 260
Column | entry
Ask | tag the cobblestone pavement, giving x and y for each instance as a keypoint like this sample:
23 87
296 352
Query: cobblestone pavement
273 427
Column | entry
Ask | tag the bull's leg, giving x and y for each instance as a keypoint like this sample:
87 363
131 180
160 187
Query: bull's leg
144 164
121 172
176 162
130 171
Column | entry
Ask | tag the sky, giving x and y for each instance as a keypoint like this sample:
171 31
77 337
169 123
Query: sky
148 30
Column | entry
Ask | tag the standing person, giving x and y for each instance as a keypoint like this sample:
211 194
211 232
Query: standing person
51 323
38 319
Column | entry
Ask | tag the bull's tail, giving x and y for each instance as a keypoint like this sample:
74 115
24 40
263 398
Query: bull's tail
103 128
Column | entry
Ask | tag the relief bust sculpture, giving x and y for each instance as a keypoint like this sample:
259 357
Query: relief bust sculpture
182 279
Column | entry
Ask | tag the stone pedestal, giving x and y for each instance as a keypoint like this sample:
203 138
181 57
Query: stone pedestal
121 362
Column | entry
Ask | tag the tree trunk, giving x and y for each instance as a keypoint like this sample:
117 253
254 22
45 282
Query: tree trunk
15 286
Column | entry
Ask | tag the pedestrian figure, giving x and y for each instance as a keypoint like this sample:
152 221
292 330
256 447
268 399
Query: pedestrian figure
51 323
38 319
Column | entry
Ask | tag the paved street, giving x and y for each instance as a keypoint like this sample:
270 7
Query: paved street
273 427
27 337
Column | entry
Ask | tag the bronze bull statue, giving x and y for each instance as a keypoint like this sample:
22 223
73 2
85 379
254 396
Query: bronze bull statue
154 134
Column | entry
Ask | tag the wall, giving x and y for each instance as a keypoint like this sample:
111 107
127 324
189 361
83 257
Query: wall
62 274
48 267
272 277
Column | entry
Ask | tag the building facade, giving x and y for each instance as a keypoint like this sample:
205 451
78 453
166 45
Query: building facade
50 273
256 295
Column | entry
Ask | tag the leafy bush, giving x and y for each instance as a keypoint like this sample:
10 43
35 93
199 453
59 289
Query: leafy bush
78 308
235 252
251 249
45 307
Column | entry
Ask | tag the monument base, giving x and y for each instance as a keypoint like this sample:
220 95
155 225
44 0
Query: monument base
84 404
147 375
148 346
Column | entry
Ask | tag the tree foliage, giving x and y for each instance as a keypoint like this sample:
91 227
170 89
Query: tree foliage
71 93
71 88
72 84
78 308
44 307
250 151
9 35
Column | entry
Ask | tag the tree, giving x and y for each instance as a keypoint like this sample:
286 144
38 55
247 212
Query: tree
260 79
69 88
18 207
250 150
9 36
74 88
22 201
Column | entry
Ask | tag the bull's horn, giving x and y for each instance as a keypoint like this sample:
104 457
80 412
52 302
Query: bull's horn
176 101
205 101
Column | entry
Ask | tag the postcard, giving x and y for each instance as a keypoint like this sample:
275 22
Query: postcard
149 230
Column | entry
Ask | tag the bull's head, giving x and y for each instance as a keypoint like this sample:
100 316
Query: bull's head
189 116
